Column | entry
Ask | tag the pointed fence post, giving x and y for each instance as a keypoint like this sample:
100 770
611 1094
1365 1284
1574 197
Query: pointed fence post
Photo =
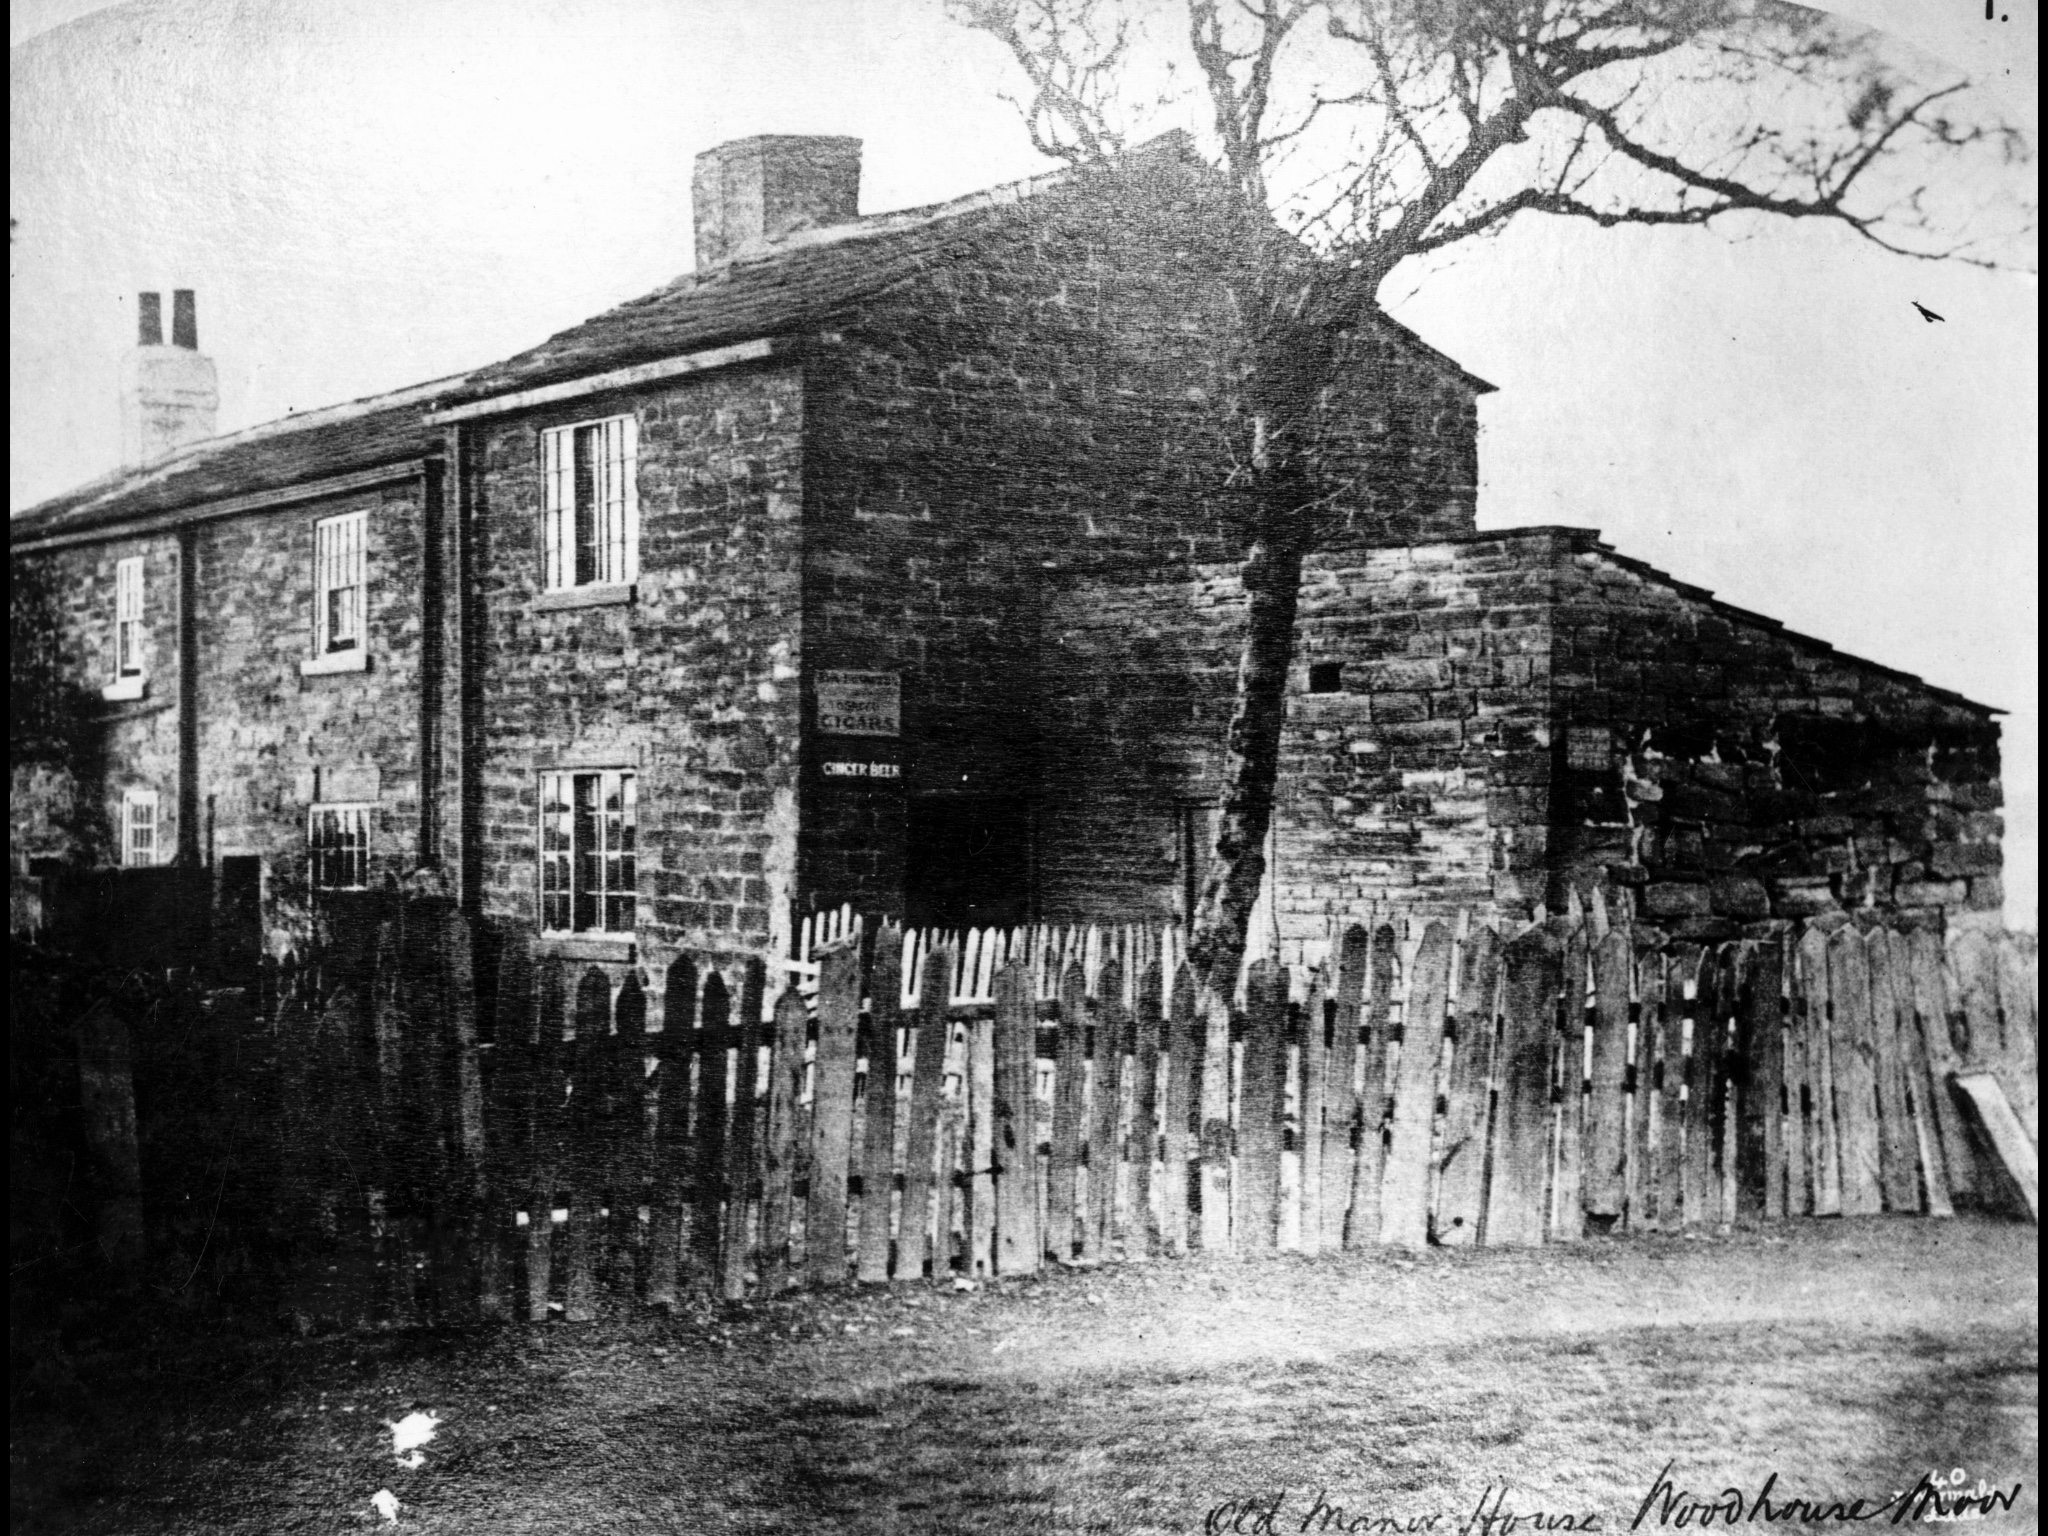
1145 1061
548 1131
1216 1121
1855 1078
1606 1158
914 1231
1890 999
1315 1100
743 1143
781 1145
508 1116
1404 1201
1376 1036
675 1173
1177 1111
1105 1105
1461 1179
878 1121
711 1115
1517 1206
1068 1101
1340 1123
1262 1110
832 1112
1019 1250
1758 1070
1568 1172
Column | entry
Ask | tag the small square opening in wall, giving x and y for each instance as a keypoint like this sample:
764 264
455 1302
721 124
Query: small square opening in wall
1326 677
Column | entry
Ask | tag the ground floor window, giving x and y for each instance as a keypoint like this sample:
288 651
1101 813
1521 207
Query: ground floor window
339 838
138 827
588 832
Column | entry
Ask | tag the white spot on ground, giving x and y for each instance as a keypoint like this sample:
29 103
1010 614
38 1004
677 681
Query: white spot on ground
386 1504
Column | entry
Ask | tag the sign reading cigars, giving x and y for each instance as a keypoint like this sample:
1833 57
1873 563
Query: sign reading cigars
860 704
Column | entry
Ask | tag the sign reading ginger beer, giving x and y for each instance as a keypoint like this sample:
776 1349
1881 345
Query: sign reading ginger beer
860 704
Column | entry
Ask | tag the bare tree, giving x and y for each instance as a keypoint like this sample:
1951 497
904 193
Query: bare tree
1356 134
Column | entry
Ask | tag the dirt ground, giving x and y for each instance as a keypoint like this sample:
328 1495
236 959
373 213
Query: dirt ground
1362 1393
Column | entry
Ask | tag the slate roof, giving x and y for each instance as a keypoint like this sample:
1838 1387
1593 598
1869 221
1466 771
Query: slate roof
789 287
363 435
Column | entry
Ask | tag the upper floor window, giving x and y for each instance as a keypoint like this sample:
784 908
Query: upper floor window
138 826
592 510
338 839
128 617
588 829
338 583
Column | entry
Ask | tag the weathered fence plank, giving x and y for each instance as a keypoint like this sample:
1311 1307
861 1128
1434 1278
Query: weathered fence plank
1063 1237
1606 1145
780 1144
1664 1137
1340 1124
914 1230
878 1128
1177 1111
1568 1175
508 1113
675 1169
979 1190
588 1135
832 1112
1855 1080
2019 1007
1019 1250
1216 1129
1262 1104
1898 1149
1461 1179
1816 1012
630 1148
710 1115
1314 1101
1404 1189
743 1143
1705 1195
1370 1159
1759 1079
1145 1063
1517 1209
1948 1162
1105 1106
547 1147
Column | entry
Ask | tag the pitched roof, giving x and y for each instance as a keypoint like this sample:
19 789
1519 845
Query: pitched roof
791 286
361 435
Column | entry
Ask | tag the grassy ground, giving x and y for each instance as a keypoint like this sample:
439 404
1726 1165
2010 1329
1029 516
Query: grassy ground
1846 1357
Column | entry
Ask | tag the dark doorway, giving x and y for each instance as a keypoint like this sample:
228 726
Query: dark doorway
968 863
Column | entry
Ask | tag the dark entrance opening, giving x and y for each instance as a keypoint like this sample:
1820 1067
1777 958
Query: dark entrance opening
968 862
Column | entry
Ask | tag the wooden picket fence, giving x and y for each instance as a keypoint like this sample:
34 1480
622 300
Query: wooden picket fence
955 1106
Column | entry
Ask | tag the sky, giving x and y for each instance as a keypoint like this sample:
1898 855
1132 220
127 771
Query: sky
372 194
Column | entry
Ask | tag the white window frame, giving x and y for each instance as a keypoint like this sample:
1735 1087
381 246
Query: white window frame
352 816
141 828
340 565
129 629
587 879
590 516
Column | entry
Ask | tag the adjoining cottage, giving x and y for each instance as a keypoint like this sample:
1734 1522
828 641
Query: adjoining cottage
880 560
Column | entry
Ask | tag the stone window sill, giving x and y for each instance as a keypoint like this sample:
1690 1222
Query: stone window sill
596 595
354 660
122 690
614 947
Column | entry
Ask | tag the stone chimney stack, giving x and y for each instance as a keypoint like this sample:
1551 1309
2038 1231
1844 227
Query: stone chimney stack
170 395
751 192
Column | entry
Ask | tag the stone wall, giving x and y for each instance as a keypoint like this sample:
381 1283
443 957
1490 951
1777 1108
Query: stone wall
1727 770
72 810
997 442
272 741
693 683
1512 714
1421 780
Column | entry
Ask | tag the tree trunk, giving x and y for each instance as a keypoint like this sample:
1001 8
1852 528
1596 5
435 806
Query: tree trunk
1271 575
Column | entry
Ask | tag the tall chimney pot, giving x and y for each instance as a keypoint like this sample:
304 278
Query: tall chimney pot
170 395
747 194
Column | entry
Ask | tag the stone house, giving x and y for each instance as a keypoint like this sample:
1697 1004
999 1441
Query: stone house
880 560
